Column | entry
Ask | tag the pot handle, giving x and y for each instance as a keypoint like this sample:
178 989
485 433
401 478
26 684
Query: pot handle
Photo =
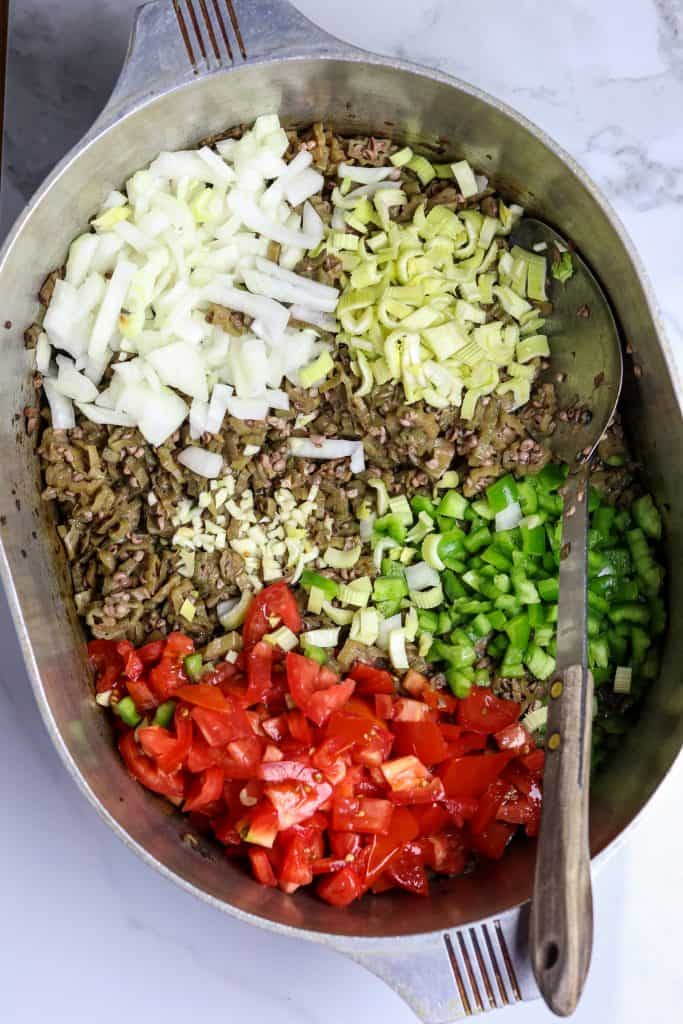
176 41
472 970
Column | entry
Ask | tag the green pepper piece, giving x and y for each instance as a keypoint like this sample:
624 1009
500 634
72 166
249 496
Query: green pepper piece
163 715
194 666
501 493
127 712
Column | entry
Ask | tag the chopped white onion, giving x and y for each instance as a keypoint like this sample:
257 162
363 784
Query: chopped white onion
307 315
248 408
303 186
43 353
364 175
357 463
73 384
326 449
180 366
510 517
191 230
98 414
202 462
61 407
220 396
108 314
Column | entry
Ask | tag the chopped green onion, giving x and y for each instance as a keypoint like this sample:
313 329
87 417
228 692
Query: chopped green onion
563 269
338 559
283 637
320 638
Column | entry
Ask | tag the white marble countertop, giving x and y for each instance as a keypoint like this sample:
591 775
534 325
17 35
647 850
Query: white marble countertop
89 932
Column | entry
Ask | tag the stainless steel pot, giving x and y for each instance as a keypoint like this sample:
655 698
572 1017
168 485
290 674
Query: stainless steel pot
193 68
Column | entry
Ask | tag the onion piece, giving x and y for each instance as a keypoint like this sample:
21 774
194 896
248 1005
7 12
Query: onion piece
108 314
364 175
247 408
302 186
73 384
245 207
199 412
509 517
306 315
326 449
265 284
201 461
270 313
220 396
180 366
43 354
98 414
61 407
323 291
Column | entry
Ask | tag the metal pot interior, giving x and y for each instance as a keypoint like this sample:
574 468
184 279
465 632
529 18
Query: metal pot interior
439 116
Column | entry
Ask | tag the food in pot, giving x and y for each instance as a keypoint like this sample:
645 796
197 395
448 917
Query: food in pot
303 358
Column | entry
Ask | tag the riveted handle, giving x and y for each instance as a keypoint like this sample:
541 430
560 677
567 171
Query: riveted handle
176 41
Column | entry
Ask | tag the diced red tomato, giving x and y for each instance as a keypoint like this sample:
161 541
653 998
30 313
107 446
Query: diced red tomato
514 737
149 654
259 666
406 710
422 738
303 675
170 750
261 825
371 740
431 818
205 790
107 663
481 711
372 680
356 785
274 606
449 852
472 775
329 760
219 727
146 772
323 703
534 761
203 695
493 840
344 844
404 827
295 801
299 727
296 865
362 814
407 870
143 698
340 888
262 868
384 705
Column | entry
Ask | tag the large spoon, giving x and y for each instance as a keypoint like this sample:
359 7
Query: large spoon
585 368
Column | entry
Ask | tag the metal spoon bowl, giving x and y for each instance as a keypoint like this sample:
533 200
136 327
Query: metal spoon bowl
585 368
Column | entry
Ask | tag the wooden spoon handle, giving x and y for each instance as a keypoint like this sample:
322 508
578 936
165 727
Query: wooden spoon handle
562 908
